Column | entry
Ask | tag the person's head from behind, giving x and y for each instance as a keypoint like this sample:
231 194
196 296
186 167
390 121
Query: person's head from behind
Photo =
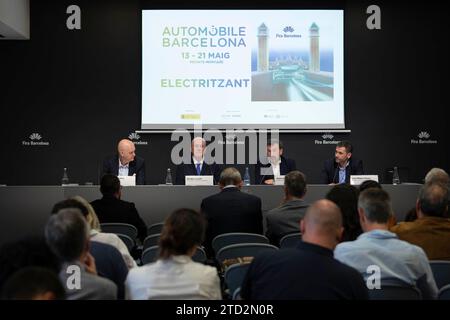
346 198
110 186
437 175
294 185
183 231
91 216
343 152
67 235
29 251
432 200
230 176
275 150
369 184
33 283
375 209
198 146
70 204
322 224
126 151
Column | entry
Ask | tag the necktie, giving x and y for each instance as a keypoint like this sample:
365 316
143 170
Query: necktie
197 166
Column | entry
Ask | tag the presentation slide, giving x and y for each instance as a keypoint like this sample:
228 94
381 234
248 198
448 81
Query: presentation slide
243 69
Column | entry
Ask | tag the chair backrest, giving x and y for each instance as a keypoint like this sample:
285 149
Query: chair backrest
199 255
151 241
290 240
441 272
149 255
234 275
226 239
237 294
155 228
444 293
127 240
243 250
122 228
395 292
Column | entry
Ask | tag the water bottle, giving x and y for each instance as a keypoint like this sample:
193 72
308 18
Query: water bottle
246 177
169 177
65 177
395 176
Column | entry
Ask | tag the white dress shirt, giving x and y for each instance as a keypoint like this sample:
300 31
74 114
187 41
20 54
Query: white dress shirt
123 169
176 278
276 168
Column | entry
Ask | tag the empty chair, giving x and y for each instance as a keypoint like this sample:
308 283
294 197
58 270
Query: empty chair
243 250
226 239
234 276
395 292
155 228
444 293
127 240
122 228
149 255
441 272
290 240
151 241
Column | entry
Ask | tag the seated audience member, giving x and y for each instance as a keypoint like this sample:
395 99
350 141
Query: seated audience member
309 271
174 275
286 218
31 251
125 162
277 164
67 235
198 166
102 237
109 262
437 175
369 184
231 210
33 283
398 260
346 198
342 166
111 208
431 230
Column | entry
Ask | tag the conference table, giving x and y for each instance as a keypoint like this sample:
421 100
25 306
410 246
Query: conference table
24 210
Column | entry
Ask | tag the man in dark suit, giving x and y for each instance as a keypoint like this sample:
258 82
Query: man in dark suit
198 166
339 169
308 272
277 164
111 209
231 210
125 163
286 218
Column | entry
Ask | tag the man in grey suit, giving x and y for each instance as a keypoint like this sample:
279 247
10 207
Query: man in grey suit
67 235
286 218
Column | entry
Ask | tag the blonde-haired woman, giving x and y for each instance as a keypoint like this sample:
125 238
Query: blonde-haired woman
108 238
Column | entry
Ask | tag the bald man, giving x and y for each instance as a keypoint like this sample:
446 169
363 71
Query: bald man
198 166
125 162
310 270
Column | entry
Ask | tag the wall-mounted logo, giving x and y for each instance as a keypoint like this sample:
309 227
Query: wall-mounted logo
327 138
423 138
288 32
136 138
35 139
288 29
231 139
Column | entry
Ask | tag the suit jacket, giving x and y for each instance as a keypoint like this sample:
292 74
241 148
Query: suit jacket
330 171
111 209
286 166
231 211
285 220
188 169
137 166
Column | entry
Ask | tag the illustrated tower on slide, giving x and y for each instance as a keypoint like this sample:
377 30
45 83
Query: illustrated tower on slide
263 48
314 53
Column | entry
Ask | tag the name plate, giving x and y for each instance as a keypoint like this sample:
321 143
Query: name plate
199 180
127 181
356 180
279 181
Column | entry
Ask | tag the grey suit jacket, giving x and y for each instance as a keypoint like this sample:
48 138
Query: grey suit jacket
284 220
92 287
